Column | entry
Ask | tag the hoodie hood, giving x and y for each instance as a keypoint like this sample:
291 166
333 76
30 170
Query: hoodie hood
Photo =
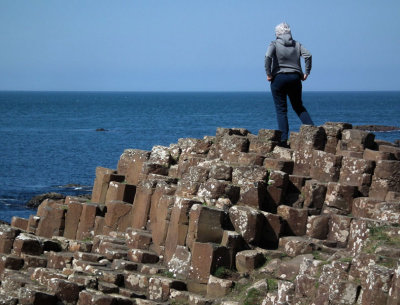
286 40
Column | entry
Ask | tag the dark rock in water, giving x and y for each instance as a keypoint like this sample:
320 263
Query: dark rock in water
2 222
37 200
101 129
397 142
376 127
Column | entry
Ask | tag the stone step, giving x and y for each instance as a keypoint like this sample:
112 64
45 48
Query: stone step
138 239
142 256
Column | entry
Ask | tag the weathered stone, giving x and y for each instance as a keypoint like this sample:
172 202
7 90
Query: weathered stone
359 233
186 161
136 281
72 218
205 225
179 264
374 155
339 227
325 167
217 288
60 260
277 185
32 295
340 196
285 291
395 151
356 139
187 188
273 228
221 171
138 239
250 158
212 189
248 174
160 288
296 219
295 245
121 192
386 178
302 159
33 223
19 222
254 195
289 269
130 160
52 221
314 194
248 222
142 203
378 284
161 220
87 219
142 256
248 260
65 291
279 165
235 243
103 178
10 262
206 258
27 244
318 226
394 291
261 146
118 216
178 225
7 236
333 132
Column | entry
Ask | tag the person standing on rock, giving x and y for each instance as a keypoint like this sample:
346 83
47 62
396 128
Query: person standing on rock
283 68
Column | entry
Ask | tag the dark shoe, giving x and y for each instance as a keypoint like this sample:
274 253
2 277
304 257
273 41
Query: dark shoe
284 144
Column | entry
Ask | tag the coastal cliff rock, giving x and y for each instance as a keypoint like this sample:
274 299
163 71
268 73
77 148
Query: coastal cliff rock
228 219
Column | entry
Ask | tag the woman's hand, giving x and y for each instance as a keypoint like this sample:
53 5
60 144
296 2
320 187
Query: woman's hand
269 78
305 76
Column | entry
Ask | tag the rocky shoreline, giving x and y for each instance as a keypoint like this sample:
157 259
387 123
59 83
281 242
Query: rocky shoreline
228 219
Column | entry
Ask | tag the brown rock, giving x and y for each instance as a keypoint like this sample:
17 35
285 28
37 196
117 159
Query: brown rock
52 221
7 236
318 226
248 222
217 288
378 285
72 219
205 225
248 260
296 219
64 290
178 225
142 203
10 262
87 220
59 260
395 151
27 244
118 216
235 243
20 223
130 159
296 245
179 264
103 178
206 258
120 192
248 174
325 167
314 194
340 197
339 228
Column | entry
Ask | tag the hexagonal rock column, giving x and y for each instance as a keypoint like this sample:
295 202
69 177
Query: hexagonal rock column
205 225
87 219
339 198
121 192
206 258
178 225
386 178
118 216
325 167
296 219
357 172
7 237
314 194
141 204
248 260
248 222
379 281
100 186
333 132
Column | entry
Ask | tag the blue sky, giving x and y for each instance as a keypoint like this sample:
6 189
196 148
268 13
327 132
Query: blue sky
218 45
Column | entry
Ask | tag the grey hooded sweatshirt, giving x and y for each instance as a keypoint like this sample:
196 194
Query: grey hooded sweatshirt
283 56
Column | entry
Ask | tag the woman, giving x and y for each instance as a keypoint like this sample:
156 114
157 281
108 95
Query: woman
282 64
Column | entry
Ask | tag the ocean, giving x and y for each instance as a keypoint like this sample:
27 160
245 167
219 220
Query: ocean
49 142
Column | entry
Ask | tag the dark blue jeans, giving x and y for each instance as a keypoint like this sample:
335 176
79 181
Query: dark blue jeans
288 85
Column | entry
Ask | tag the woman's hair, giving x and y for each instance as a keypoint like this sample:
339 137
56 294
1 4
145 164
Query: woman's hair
282 28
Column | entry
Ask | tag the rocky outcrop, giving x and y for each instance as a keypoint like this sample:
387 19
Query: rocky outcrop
229 219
